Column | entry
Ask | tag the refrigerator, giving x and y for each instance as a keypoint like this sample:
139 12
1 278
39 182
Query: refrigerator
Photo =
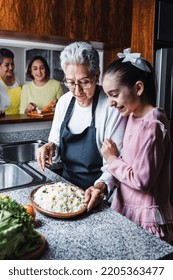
164 78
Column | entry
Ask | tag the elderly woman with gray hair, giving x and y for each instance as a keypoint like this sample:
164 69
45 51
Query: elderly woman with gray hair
83 120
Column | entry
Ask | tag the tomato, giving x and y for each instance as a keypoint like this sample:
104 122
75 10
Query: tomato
4 195
30 210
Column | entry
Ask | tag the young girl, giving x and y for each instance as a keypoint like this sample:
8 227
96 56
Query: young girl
144 167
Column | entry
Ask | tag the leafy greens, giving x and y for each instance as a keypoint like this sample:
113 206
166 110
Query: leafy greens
17 232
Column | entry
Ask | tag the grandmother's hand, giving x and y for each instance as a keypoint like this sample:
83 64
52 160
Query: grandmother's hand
95 194
45 154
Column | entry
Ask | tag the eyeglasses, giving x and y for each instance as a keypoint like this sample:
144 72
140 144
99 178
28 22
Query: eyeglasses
86 84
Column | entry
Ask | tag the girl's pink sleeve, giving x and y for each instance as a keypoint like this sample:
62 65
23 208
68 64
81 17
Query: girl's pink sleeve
147 162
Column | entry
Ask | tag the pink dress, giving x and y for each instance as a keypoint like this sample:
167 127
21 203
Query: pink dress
144 173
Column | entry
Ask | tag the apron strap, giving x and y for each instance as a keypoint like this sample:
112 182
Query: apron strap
69 111
95 101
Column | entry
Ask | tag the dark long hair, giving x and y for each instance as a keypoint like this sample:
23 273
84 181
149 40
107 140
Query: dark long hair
129 74
43 60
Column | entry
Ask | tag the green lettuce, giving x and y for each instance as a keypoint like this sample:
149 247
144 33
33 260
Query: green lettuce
17 232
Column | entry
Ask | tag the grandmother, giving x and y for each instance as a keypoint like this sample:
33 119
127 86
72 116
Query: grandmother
83 120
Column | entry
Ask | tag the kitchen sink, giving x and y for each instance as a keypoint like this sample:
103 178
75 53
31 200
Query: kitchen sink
15 170
12 175
17 175
20 152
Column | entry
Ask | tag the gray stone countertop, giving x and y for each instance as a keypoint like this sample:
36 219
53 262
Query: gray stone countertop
101 234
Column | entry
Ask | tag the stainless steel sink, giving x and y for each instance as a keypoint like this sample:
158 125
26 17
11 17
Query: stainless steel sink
20 152
15 170
12 175
17 175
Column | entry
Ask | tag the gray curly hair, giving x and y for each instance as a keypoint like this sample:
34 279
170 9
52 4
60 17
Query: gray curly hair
81 53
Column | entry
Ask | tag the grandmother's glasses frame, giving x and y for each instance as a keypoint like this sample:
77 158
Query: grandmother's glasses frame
86 84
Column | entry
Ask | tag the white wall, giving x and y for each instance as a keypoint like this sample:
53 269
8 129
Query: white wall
19 61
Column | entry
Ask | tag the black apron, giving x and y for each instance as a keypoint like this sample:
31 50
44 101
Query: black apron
81 160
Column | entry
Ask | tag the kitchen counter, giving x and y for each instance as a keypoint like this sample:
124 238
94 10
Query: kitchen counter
22 118
100 234
17 132
21 127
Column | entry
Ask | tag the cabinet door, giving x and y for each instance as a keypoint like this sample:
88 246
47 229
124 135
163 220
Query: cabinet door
143 28
78 22
43 17
99 20
112 21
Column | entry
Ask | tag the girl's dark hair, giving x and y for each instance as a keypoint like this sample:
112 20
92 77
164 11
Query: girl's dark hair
129 74
5 53
43 60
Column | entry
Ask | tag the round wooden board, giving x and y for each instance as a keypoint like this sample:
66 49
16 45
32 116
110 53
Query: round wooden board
37 253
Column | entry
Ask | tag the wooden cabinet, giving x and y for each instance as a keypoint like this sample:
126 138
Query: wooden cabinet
105 21
100 20
41 17
116 24
112 21
78 21
143 25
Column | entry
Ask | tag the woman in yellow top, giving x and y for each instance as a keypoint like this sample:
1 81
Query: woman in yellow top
10 90
41 90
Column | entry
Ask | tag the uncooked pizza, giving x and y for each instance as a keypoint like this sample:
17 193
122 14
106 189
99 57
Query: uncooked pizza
60 198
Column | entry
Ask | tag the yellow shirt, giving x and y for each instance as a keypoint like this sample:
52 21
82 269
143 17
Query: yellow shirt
40 95
10 97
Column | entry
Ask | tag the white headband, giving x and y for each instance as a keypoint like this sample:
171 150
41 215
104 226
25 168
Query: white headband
135 58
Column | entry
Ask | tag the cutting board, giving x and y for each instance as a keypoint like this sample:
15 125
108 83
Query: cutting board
34 114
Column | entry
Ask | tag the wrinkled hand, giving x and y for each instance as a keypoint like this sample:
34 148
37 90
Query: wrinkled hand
109 149
45 154
95 194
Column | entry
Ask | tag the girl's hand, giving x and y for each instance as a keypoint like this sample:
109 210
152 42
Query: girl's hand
109 149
